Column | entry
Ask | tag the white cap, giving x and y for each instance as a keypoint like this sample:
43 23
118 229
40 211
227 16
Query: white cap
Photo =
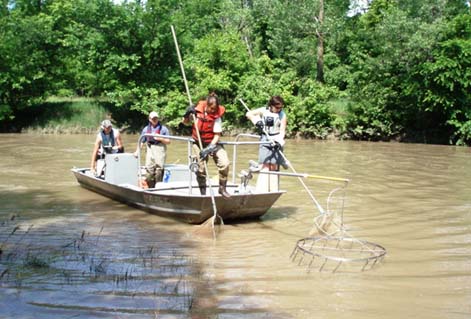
153 114
105 124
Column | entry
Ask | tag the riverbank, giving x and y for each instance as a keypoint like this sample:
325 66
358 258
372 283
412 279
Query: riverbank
82 115
72 116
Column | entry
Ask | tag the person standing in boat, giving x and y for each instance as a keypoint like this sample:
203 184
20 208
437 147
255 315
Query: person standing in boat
156 149
271 122
208 114
108 141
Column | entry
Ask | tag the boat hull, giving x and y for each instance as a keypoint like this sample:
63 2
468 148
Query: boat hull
179 202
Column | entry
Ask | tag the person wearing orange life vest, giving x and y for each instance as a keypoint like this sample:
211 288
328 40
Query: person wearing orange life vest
208 115
156 149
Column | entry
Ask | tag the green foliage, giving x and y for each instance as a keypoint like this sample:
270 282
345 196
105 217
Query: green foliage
400 70
446 79
218 62
393 90
377 12
25 62
310 113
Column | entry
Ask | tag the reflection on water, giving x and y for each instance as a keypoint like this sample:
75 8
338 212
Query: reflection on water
67 252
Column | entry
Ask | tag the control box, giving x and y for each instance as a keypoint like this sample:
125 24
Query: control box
121 169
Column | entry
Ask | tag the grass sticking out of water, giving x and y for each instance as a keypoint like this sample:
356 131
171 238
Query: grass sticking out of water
88 260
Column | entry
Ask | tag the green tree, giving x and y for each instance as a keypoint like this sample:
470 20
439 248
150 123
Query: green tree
387 55
442 86
27 46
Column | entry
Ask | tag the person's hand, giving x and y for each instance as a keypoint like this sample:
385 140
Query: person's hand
278 138
135 154
189 110
276 145
211 148
260 126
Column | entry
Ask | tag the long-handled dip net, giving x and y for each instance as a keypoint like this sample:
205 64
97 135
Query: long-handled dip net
330 247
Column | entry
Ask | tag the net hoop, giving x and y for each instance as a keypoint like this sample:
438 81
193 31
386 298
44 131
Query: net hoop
327 252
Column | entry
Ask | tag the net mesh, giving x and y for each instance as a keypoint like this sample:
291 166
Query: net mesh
329 247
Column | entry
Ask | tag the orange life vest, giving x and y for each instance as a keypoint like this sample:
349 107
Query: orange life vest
206 122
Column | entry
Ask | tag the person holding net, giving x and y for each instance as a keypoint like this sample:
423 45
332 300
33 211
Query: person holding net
271 121
208 125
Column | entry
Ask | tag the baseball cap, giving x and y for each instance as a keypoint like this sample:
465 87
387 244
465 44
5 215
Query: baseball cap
153 114
105 124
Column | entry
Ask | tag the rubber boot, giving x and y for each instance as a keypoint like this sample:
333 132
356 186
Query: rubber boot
159 176
150 183
201 184
222 189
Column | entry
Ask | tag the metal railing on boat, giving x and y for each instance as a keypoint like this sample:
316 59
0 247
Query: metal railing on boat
190 141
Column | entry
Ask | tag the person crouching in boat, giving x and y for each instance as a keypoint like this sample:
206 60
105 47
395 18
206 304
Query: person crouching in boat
208 114
156 150
108 141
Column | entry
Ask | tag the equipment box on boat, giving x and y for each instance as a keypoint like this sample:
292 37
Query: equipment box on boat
121 169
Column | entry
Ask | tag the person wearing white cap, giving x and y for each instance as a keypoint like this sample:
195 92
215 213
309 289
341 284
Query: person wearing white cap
108 140
156 150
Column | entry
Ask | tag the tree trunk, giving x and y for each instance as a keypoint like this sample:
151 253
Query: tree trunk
320 44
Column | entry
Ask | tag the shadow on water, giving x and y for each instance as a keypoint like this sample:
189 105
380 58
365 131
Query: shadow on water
94 258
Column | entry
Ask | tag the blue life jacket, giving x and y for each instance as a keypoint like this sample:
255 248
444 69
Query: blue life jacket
107 140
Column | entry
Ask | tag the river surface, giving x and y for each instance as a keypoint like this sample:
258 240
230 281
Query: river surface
66 252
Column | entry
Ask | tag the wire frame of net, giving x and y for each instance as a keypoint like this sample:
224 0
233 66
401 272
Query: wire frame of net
330 248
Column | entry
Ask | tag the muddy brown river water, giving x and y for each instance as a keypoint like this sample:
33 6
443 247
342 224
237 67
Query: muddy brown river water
66 252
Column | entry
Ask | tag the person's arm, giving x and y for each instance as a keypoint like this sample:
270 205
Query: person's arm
284 123
280 138
94 155
163 140
254 115
216 138
186 120
211 147
208 150
140 143
217 130
189 114
119 142
139 146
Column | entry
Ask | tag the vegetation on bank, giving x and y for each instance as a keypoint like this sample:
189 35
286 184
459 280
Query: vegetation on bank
399 70
76 115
